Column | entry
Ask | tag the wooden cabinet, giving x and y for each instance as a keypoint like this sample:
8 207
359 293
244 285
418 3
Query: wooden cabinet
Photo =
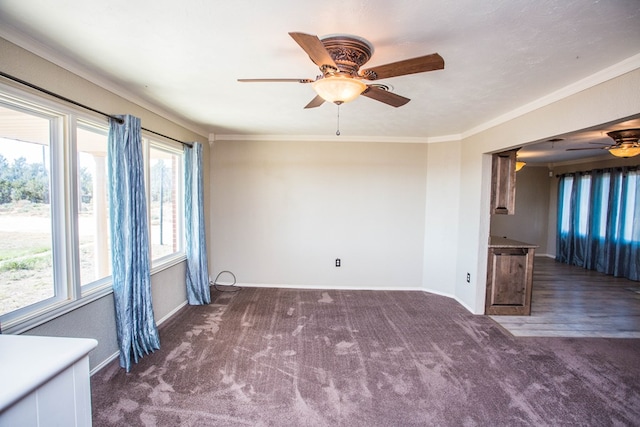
503 183
509 277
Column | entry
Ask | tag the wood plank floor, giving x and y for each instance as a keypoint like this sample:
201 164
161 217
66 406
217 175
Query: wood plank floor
570 301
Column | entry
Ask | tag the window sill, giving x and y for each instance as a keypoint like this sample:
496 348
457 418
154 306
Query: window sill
50 312
168 262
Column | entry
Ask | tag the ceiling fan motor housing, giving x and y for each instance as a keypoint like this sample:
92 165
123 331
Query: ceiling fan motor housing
629 136
348 52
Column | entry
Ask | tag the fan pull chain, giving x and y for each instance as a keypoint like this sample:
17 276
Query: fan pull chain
338 131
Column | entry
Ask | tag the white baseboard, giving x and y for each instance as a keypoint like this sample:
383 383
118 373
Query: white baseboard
171 313
327 288
115 355
104 363
462 303
546 256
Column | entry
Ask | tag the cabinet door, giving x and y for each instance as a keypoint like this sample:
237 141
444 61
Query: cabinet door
509 277
503 183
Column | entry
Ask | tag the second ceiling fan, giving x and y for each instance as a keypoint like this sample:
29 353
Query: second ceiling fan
340 57
626 143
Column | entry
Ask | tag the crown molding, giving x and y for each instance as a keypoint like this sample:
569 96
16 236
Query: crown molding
616 70
334 138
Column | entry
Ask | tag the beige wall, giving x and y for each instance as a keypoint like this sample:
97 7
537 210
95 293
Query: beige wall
284 211
441 217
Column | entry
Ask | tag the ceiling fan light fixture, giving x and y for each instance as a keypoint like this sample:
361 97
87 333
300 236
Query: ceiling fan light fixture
338 89
627 144
625 150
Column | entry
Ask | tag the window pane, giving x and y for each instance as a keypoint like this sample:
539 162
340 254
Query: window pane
601 208
93 208
584 203
165 209
631 231
565 214
26 256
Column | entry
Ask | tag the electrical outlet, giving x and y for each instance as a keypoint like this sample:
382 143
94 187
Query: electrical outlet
337 262
468 277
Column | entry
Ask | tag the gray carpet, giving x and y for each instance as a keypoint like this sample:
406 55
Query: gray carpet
282 357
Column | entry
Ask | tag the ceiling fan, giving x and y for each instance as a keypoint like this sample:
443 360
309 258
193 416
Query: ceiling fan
626 143
340 57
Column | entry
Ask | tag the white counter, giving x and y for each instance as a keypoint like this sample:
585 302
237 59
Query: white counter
45 380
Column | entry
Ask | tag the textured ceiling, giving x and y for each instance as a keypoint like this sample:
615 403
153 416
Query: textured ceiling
182 59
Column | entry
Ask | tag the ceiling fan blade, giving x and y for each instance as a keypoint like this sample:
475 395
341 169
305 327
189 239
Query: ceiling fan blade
407 66
315 102
276 80
385 96
594 148
314 48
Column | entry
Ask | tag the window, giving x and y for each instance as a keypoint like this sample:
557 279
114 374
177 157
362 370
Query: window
164 193
26 231
600 211
583 204
92 204
631 203
55 246
565 204
603 205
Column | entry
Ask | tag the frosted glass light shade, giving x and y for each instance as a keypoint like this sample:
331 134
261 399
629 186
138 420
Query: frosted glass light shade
519 165
625 150
338 89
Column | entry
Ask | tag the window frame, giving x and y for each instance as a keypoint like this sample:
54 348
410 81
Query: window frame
81 122
176 148
59 231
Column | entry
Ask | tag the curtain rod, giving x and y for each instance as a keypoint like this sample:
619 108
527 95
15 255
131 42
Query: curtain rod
71 101
616 168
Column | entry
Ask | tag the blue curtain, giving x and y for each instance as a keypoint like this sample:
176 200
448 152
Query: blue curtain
599 221
136 328
198 292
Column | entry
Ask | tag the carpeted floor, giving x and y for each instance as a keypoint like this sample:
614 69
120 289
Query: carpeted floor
283 357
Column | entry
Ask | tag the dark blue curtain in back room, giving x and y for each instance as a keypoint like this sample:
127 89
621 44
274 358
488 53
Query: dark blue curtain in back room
599 221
